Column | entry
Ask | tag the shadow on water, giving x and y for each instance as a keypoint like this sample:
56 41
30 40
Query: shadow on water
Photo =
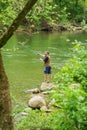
22 63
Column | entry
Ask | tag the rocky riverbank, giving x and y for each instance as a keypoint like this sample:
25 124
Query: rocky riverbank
51 27
38 96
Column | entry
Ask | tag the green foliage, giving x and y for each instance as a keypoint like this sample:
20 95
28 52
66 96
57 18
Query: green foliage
74 71
35 120
71 95
84 25
49 12
63 15
73 115
75 8
58 11
53 11
6 12
9 9
39 13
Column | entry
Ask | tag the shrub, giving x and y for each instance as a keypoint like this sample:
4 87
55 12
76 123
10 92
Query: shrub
75 71
73 112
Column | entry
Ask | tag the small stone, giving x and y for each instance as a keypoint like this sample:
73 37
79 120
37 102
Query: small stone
43 108
74 85
35 90
51 102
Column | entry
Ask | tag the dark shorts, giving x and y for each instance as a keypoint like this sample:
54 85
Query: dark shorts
47 70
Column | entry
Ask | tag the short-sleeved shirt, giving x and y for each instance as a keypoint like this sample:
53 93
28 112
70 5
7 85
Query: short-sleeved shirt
47 60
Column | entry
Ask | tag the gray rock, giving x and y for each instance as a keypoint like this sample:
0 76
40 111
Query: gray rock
19 115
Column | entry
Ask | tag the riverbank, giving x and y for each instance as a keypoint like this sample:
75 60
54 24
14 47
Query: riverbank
54 28
51 27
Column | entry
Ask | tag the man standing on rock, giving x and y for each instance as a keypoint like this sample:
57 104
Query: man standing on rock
47 70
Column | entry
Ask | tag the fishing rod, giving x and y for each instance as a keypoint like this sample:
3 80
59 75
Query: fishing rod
33 50
29 47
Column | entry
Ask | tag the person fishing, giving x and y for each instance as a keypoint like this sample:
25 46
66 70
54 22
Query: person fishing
47 70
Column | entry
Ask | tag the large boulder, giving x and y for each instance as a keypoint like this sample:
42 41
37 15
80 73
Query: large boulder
37 102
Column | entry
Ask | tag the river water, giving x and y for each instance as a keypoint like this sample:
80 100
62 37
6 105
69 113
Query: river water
22 64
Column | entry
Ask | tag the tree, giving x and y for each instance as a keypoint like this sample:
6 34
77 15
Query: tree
6 122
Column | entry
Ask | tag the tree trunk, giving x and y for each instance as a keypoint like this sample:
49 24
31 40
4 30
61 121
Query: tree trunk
6 122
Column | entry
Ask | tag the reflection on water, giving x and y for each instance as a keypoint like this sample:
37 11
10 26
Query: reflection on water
22 63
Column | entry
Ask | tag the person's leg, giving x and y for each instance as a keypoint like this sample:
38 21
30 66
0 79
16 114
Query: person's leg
49 74
45 74
45 77
48 78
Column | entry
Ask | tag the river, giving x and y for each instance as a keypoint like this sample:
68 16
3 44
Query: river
22 64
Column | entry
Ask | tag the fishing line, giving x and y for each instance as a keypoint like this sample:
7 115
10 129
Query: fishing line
35 52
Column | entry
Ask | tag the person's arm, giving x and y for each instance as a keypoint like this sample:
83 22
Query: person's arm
41 59
44 59
42 56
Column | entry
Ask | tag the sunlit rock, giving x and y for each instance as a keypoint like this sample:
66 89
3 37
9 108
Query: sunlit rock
74 85
43 108
37 102
51 103
47 86
35 90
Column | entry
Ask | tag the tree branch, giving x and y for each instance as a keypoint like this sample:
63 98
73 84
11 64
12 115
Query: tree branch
6 36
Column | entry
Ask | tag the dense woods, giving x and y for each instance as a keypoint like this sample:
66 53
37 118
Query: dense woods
51 12
69 111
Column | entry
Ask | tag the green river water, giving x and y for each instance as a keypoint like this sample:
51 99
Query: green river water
22 64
